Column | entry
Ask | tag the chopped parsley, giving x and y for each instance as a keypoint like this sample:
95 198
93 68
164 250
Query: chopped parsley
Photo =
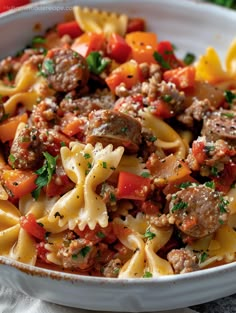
229 96
149 235
100 234
49 66
12 160
112 197
228 115
203 257
38 39
210 184
84 251
104 164
87 156
179 206
45 173
152 139
167 98
147 275
214 171
146 174
96 63
185 185
189 58
223 205
159 58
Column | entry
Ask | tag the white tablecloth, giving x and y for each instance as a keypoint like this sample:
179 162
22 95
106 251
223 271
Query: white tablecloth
12 301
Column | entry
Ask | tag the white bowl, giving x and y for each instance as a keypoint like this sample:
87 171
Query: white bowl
191 26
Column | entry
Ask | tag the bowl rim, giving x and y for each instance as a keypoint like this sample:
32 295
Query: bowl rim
75 278
43 272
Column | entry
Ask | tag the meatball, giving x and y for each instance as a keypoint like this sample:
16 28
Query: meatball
198 210
111 127
65 69
183 261
220 125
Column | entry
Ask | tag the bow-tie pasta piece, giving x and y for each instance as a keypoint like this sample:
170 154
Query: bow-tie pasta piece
93 20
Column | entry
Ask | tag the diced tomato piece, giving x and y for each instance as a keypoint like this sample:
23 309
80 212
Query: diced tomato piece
42 252
87 43
226 178
198 150
118 49
128 73
9 126
131 186
136 24
151 208
143 45
69 28
165 49
19 183
29 224
160 109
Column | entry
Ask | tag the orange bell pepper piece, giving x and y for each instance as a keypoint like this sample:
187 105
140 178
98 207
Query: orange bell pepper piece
143 45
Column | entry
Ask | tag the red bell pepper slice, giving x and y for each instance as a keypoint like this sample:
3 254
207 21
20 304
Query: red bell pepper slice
166 50
132 186
118 49
69 28
30 225
136 24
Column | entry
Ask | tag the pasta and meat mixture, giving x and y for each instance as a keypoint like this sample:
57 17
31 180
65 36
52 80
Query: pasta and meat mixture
118 158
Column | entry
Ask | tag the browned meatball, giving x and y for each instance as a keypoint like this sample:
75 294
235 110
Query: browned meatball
221 125
26 150
65 69
111 127
183 261
198 210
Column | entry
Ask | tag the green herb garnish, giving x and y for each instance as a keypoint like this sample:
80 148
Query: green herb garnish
185 185
38 39
149 235
84 251
159 58
147 275
100 234
210 184
189 58
223 205
203 257
179 206
45 173
96 62
228 115
49 66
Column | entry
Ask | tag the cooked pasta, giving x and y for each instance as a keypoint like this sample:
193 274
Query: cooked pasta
117 158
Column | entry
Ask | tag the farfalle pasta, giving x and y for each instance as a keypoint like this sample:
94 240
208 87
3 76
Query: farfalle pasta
117 157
